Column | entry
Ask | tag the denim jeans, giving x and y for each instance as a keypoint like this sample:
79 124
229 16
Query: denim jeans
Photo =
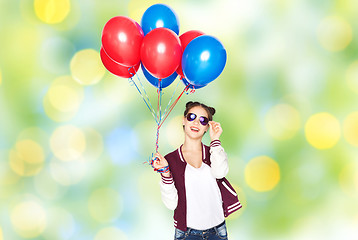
216 233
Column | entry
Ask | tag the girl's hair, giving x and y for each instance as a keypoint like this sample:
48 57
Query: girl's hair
210 110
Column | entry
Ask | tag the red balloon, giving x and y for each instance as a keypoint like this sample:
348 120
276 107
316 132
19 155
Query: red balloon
116 68
121 39
185 39
161 52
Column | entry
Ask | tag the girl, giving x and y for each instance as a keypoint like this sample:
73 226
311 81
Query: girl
193 182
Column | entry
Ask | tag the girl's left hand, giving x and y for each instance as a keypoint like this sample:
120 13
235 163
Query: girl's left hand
215 130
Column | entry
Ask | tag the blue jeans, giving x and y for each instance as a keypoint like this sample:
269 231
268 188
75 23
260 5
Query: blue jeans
216 233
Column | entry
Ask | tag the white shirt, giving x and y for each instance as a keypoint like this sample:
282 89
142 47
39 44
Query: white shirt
204 202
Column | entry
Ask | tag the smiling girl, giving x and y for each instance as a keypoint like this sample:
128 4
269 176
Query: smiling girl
194 185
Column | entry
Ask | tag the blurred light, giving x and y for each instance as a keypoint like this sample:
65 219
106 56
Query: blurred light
147 141
1 237
110 233
122 37
27 158
61 225
161 48
104 205
348 179
68 173
94 144
86 67
334 33
175 128
0 77
159 24
352 76
204 56
68 143
56 53
122 145
322 130
47 187
52 11
262 173
29 219
63 99
282 121
350 128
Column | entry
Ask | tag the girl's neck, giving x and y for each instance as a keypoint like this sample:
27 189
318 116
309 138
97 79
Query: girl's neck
192 144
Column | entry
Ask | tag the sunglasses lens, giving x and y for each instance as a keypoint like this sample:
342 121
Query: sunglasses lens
204 121
190 117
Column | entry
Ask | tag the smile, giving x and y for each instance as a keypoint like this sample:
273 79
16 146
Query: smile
194 129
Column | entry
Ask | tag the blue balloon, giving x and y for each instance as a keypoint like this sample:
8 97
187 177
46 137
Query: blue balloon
165 82
159 15
203 60
186 83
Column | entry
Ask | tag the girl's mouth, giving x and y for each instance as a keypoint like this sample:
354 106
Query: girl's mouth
194 129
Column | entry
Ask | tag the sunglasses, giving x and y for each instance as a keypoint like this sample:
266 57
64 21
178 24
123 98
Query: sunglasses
203 120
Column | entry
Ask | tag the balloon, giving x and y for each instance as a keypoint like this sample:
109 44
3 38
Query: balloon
159 15
116 68
186 83
185 39
165 82
121 39
161 52
203 60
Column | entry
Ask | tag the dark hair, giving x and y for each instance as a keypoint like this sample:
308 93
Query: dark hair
210 110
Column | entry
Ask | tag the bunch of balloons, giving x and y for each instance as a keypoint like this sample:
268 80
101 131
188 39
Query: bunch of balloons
156 46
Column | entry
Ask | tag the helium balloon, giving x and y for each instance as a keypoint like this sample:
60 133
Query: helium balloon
159 15
161 52
203 60
121 39
186 83
185 38
116 68
165 82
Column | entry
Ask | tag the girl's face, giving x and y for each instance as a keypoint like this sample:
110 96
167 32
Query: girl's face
195 127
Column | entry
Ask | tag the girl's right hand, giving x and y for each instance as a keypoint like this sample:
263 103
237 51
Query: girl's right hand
159 161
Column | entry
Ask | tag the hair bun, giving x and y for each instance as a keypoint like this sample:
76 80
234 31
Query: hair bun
188 104
212 110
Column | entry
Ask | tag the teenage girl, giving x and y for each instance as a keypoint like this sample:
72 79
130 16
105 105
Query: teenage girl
194 185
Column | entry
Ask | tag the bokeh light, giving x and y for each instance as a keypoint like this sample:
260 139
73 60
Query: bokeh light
87 67
282 121
110 233
352 76
104 205
1 237
322 130
262 173
29 219
348 180
0 78
174 128
27 158
350 128
63 99
68 142
61 224
68 173
334 33
47 187
52 11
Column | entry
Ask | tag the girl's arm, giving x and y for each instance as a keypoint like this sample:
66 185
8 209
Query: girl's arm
167 188
218 157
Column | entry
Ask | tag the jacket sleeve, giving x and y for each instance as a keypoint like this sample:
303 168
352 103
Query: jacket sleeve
169 192
218 158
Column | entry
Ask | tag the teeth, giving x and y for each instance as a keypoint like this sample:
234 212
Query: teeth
195 129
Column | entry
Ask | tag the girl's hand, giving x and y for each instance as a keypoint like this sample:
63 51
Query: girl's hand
215 130
159 161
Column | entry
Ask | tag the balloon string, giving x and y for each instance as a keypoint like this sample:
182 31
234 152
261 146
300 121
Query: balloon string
173 105
165 111
131 81
145 92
